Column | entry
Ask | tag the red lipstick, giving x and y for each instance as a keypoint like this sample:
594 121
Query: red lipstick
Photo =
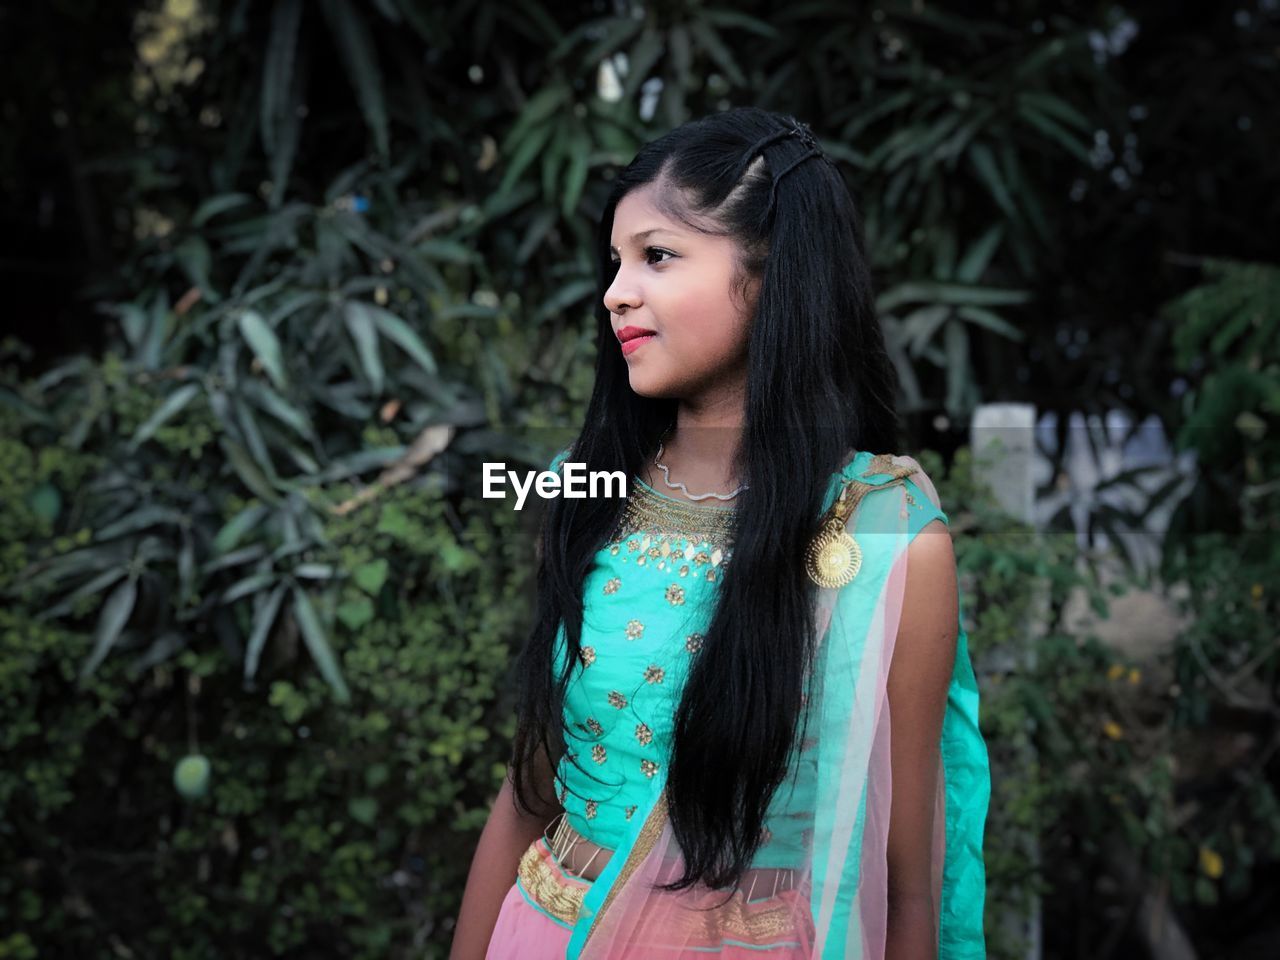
633 338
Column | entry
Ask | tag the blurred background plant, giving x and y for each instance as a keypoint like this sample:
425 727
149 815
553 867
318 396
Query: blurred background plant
287 273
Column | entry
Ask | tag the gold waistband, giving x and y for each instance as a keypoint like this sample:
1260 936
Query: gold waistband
559 891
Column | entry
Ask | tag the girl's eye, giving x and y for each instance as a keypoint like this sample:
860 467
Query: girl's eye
648 252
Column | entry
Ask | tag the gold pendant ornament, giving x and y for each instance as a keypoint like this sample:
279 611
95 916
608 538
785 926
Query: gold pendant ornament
833 557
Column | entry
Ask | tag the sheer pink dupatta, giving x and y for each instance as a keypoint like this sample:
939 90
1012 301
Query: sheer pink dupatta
837 905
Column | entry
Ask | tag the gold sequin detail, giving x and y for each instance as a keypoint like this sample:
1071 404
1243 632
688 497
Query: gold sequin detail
614 549
711 576
675 595
644 734
594 726
587 655
630 810
616 699
635 629
598 753
633 546
701 557
648 768
547 888
693 642
654 673
591 809
612 585
684 569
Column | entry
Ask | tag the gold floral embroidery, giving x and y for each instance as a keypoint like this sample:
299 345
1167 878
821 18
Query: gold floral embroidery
648 768
612 585
675 595
616 699
633 546
644 734
630 810
598 753
693 642
594 726
701 557
635 629
587 655
654 673
591 809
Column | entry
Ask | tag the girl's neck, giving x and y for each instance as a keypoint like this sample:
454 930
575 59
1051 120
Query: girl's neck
701 452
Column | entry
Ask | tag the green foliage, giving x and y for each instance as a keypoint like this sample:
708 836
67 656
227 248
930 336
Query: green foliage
338 298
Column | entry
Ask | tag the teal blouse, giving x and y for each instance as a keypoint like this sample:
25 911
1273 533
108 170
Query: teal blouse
647 603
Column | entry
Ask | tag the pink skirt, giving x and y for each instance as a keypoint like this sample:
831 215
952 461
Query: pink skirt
539 911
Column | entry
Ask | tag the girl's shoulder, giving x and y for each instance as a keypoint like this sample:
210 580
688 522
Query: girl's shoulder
885 469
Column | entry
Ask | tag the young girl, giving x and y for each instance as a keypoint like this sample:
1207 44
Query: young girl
704 763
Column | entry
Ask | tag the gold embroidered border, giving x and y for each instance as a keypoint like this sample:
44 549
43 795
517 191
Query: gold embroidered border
757 924
647 511
648 836
549 890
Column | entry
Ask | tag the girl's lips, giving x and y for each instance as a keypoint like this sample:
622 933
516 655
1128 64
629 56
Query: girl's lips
635 343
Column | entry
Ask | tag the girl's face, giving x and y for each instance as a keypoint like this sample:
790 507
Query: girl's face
674 283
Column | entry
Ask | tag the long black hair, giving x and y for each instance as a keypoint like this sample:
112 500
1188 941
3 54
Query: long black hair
820 385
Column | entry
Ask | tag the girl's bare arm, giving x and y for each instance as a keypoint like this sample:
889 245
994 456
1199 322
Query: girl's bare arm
507 834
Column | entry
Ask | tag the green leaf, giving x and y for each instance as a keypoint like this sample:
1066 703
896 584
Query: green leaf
140 519
363 809
264 344
732 18
195 259
235 528
220 204
402 335
718 52
318 644
249 586
356 613
262 622
360 324
278 70
991 320
643 55
984 162
370 577
115 614
356 48
957 293
978 256
248 471
97 584
172 405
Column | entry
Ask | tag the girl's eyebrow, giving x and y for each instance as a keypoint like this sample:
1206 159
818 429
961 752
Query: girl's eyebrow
636 237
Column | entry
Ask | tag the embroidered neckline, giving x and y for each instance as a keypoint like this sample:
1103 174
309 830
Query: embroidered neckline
648 511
